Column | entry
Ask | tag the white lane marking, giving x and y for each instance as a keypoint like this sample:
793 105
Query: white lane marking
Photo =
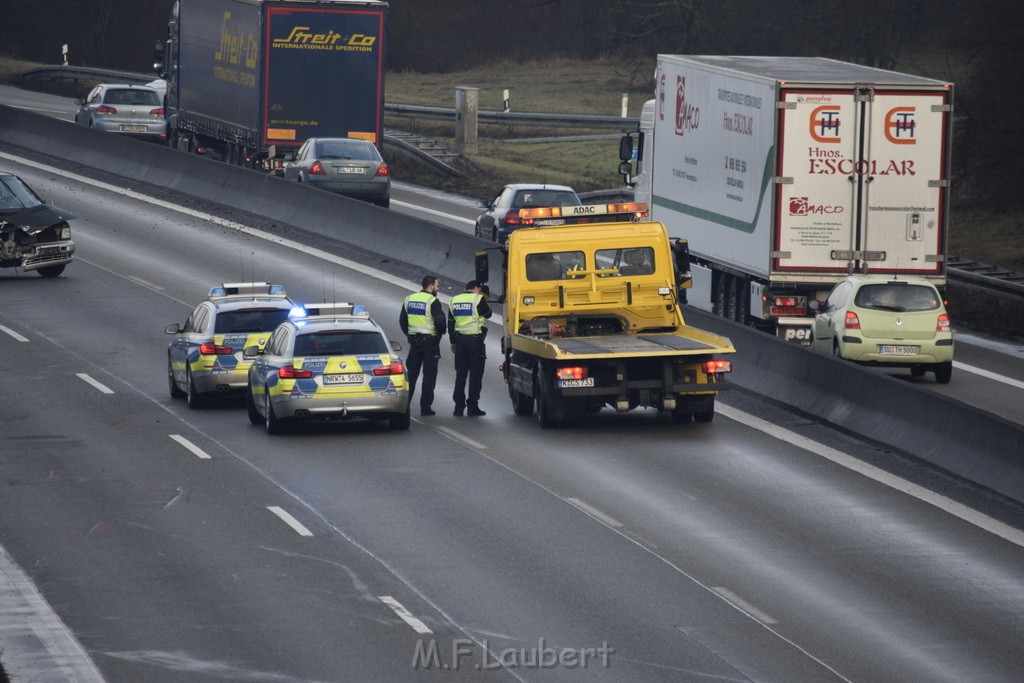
1009 348
17 337
405 614
744 606
244 229
454 435
440 214
595 513
290 521
145 283
36 644
990 375
954 508
89 380
199 453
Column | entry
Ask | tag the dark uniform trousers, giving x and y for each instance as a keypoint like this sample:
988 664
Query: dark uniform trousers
470 355
424 352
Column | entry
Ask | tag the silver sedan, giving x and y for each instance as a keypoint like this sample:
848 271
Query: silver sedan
348 166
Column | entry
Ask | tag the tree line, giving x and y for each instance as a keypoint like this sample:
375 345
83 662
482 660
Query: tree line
975 45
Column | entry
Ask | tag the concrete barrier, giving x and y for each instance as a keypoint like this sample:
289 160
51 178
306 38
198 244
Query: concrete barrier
945 432
953 435
418 243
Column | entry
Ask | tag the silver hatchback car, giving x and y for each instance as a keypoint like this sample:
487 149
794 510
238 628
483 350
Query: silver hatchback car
134 110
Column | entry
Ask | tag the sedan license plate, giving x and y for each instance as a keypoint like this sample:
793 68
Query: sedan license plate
348 169
889 350
346 378
125 128
574 383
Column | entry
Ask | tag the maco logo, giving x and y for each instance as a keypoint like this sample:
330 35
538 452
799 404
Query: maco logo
687 115
801 206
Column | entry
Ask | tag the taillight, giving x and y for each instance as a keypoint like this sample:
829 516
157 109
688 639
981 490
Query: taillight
104 109
943 323
512 218
159 111
291 372
211 349
382 170
714 367
571 372
394 368
317 169
787 301
852 322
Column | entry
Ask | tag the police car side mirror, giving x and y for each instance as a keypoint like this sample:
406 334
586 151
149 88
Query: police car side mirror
172 329
251 351
396 347
814 305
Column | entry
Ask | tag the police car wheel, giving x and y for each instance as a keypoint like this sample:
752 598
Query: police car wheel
271 422
172 386
399 421
192 397
250 409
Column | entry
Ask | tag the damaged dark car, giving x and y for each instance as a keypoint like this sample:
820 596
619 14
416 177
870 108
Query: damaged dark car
33 234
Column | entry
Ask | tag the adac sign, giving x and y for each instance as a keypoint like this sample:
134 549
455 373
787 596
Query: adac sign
303 38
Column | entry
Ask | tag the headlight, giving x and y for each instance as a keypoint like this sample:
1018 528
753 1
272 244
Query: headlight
64 233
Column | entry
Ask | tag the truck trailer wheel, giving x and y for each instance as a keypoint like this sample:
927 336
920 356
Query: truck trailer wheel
721 284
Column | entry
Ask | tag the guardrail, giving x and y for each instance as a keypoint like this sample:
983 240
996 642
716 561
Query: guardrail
986 276
538 120
87 72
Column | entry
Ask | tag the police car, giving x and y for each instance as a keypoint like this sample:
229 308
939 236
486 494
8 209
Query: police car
206 357
332 363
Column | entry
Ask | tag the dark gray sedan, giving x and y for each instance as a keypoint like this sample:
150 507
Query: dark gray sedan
344 165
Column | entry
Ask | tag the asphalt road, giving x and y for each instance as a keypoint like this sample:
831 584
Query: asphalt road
736 550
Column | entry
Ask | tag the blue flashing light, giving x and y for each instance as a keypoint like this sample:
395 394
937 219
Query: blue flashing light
359 309
297 312
218 291
277 289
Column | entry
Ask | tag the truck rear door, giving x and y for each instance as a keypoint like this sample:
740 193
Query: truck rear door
863 181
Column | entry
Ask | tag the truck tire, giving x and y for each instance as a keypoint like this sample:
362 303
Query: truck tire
51 271
742 301
731 296
545 414
718 300
522 404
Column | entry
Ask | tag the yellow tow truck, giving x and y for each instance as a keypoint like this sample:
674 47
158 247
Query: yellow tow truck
592 305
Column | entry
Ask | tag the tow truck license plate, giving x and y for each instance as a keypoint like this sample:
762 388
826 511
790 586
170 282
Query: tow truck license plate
125 128
573 383
897 350
550 221
347 378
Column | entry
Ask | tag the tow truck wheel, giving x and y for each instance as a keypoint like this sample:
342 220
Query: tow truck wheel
545 418
51 271
521 403
250 408
172 386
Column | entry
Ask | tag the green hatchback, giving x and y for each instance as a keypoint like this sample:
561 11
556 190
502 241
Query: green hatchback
887 321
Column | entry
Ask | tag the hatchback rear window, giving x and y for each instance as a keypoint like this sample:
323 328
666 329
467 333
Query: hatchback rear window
340 343
147 98
249 320
897 297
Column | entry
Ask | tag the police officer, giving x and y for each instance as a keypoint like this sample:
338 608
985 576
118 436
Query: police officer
423 322
466 315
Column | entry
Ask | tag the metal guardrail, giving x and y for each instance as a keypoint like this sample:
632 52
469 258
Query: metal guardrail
539 120
985 276
87 72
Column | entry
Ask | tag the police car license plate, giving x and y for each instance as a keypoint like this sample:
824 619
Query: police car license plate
574 383
887 350
348 169
346 378
125 128
550 221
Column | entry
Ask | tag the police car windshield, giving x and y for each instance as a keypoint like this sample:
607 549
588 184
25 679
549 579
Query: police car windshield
340 343
249 320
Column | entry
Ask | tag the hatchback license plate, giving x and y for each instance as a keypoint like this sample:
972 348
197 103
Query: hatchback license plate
573 383
897 350
132 129
347 378
348 169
